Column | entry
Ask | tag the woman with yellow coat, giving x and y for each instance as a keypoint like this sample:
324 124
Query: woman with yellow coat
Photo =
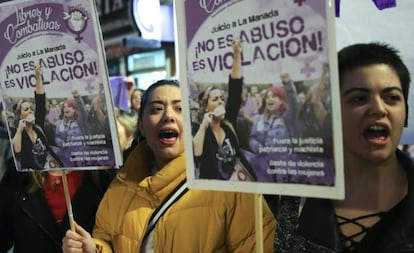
199 221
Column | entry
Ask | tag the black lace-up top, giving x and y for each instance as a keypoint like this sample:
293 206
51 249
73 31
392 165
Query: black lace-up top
370 235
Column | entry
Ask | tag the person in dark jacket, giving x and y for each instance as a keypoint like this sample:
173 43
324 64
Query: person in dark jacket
33 212
30 144
377 212
217 152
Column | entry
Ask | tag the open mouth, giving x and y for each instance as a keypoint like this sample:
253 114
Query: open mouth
376 132
168 134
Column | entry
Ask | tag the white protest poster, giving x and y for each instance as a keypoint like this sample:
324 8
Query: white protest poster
258 132
389 25
66 120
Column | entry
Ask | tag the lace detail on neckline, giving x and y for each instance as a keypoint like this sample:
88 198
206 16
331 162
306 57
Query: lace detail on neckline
350 242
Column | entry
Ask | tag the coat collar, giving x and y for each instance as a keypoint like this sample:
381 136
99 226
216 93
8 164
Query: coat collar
137 166
136 173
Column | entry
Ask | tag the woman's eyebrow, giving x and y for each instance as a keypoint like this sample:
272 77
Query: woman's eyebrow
355 89
366 90
161 102
393 88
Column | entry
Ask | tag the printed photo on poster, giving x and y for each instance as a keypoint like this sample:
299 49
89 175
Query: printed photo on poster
261 105
55 86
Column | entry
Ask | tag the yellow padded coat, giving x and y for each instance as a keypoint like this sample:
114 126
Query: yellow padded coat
200 221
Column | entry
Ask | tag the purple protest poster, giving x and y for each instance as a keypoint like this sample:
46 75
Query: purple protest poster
261 100
55 87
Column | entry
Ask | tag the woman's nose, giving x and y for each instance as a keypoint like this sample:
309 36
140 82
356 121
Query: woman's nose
169 114
378 107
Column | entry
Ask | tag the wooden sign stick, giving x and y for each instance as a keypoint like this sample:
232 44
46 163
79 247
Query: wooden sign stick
68 200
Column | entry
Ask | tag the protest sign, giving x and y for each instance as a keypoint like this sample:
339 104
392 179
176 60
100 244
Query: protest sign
288 51
55 86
